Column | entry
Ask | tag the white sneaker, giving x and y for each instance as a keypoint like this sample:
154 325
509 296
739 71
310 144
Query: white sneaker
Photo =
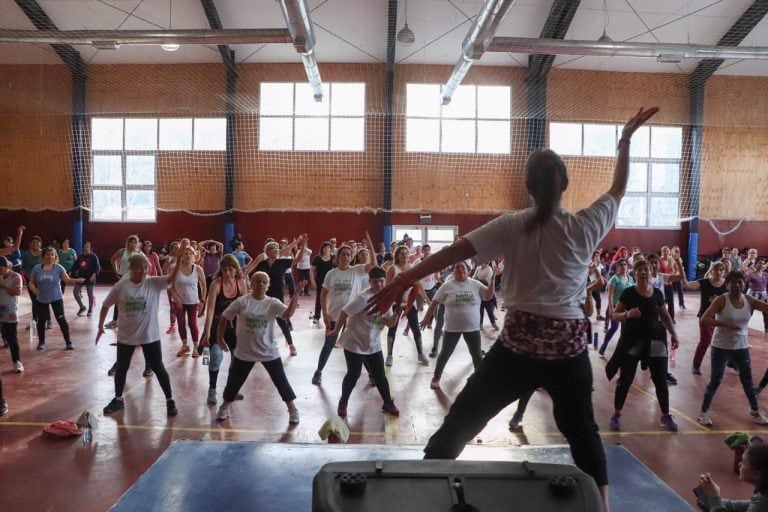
223 413
18 367
758 417
705 419
211 396
293 416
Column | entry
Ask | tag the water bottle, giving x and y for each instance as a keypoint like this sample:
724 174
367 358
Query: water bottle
32 331
594 340
672 355
206 355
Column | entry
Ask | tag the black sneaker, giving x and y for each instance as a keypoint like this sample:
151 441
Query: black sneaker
115 405
170 407
147 372
112 371
433 353
89 313
671 379
69 346
317 378
41 346
81 311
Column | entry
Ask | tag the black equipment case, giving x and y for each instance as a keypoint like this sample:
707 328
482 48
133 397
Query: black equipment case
453 486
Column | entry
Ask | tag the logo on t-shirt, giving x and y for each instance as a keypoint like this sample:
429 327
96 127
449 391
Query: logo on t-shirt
342 285
376 319
135 305
256 322
463 298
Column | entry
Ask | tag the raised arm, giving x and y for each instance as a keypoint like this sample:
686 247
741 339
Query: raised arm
621 172
688 285
371 253
458 251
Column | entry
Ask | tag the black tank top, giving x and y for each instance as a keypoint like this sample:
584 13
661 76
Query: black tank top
222 301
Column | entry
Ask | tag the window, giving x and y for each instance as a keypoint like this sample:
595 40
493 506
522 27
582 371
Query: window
291 120
124 152
653 191
476 121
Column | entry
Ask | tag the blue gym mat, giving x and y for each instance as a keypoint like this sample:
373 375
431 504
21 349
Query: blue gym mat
197 476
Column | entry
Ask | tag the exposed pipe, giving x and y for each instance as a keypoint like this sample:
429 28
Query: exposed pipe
296 14
476 43
664 52
115 38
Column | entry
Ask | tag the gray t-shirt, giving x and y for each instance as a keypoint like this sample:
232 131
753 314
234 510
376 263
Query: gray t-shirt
545 270
48 283
9 303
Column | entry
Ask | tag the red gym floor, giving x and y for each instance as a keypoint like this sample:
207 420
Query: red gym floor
50 475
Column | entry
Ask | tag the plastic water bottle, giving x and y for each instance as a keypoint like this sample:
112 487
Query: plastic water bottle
594 340
206 355
32 331
672 354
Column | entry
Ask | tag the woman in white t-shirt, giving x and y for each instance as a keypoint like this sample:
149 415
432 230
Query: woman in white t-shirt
462 296
138 298
485 274
362 343
255 332
339 286
544 340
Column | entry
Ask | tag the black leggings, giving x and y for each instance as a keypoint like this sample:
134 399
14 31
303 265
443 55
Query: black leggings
669 297
375 365
43 316
505 376
413 323
450 340
154 359
286 330
11 337
658 368
488 306
35 303
239 370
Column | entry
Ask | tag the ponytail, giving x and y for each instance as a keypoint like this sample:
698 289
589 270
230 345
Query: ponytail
546 178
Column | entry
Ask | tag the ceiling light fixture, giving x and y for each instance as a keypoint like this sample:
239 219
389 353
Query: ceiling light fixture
605 38
170 47
406 35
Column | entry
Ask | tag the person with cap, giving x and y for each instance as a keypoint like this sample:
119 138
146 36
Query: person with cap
10 289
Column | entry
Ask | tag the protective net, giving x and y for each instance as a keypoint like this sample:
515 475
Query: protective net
156 135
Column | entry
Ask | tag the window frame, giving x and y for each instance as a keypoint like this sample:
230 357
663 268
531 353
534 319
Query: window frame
329 117
649 194
124 154
475 119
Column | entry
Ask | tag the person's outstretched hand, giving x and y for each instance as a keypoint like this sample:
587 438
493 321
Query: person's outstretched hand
387 296
637 121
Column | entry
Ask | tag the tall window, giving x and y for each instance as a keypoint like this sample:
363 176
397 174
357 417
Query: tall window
291 120
124 152
476 121
653 192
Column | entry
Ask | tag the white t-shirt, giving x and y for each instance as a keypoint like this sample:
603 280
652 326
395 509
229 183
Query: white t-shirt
362 334
255 329
342 285
306 260
484 274
545 269
462 304
138 305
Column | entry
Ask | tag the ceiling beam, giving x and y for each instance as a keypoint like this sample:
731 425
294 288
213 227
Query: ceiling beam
735 35
66 53
558 22
227 55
